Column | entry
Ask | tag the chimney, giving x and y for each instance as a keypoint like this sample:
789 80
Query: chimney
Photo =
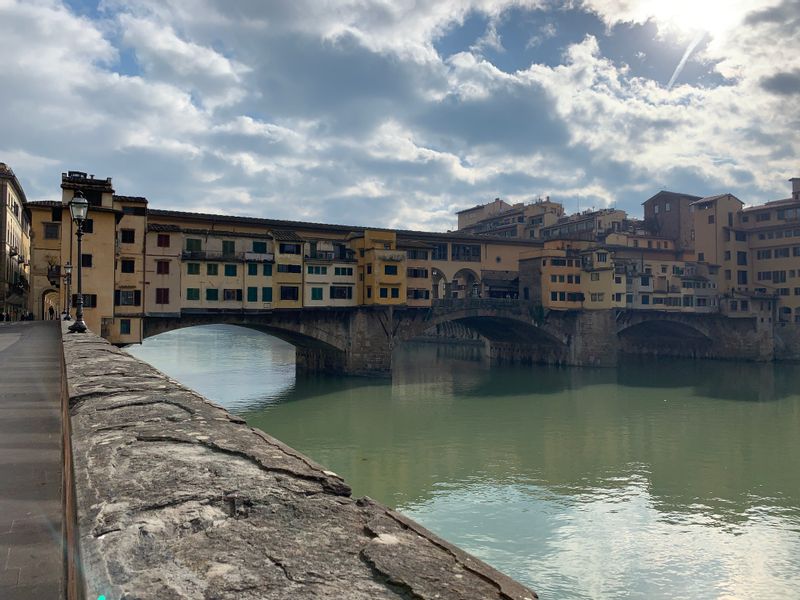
795 188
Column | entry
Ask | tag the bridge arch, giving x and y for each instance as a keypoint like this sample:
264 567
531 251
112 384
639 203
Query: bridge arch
661 335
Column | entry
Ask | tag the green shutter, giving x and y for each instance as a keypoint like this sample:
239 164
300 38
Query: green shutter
252 294
266 294
268 270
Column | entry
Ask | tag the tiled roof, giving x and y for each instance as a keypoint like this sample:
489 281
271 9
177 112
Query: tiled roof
138 199
712 199
671 195
47 203
773 204
161 227
283 235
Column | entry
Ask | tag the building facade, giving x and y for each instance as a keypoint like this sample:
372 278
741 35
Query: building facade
15 247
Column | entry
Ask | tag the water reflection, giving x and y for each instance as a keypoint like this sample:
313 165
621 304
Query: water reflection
660 478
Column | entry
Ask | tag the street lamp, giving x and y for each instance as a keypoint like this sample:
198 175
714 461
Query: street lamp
67 282
78 209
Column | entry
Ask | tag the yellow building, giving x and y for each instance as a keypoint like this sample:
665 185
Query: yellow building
381 268
47 273
330 274
288 275
418 272
15 247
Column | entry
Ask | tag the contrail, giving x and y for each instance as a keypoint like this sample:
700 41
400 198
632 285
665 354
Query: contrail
689 49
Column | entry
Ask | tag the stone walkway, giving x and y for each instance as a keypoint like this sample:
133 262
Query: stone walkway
31 561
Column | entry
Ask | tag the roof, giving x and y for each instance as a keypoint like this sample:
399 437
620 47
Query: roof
138 199
714 199
7 173
162 227
283 235
772 204
44 203
672 195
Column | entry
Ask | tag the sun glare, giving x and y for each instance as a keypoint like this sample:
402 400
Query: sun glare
691 17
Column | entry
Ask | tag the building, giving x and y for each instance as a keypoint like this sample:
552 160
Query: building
589 225
15 247
501 219
669 215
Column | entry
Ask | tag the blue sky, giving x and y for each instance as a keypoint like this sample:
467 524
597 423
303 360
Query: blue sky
399 114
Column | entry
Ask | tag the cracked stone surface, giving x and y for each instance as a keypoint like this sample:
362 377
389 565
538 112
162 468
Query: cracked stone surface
177 498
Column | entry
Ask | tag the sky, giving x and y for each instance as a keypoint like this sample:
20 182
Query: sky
398 113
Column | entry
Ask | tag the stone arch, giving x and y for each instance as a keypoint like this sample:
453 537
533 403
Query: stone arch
664 336
440 287
49 298
466 284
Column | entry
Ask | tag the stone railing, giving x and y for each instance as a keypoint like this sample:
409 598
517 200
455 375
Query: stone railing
177 498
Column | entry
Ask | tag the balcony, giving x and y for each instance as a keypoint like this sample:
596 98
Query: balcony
390 255
259 257
217 256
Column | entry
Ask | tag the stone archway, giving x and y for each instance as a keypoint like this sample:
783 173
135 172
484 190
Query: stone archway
466 284
440 287
49 301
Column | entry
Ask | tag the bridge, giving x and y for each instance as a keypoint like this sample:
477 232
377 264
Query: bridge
360 340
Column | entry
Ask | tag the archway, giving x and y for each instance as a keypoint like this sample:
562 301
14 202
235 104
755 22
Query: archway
439 285
662 337
49 304
466 284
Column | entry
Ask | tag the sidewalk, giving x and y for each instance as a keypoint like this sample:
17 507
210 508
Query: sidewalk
31 559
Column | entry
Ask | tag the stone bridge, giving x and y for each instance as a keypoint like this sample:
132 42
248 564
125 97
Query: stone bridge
360 340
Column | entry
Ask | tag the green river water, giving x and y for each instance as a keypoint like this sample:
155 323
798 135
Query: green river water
659 479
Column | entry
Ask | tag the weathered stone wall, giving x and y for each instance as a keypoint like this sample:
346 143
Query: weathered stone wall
178 499
787 341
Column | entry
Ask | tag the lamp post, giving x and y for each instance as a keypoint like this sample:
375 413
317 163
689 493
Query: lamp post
67 282
78 209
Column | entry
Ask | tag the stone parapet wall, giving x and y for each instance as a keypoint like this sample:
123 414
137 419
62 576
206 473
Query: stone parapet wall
179 499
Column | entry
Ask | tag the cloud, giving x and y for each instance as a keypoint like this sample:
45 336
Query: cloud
345 112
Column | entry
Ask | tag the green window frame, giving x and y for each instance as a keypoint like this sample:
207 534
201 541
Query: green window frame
124 326
316 293
193 293
212 269
193 245
212 294
260 247
267 272
252 294
252 269
193 268
266 294
230 270
228 247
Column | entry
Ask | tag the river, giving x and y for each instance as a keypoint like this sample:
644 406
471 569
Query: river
654 480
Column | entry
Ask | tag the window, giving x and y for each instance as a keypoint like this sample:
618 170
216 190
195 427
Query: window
417 254
193 268
162 295
127 297
52 231
763 254
86 260
384 292
741 236
741 277
290 269
727 274
252 294
553 278
595 277
212 269
124 326
230 270
467 252
316 293
727 255
55 214
252 269
781 252
710 219
231 295
667 207
228 247
762 216
163 240
369 269
193 293
602 257
645 281
645 299
266 294
629 298
193 245
779 277
212 294
391 269
127 266
260 247
348 271
290 292
734 305
267 270
439 252
162 267
599 297
289 248
88 226
701 257
554 296
395 292
317 270
369 292
127 236
341 292
741 258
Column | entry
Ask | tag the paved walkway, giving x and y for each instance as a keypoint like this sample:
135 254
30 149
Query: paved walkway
31 561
